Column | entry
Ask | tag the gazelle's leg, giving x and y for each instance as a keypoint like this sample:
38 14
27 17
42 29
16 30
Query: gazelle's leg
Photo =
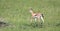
42 19
35 19
38 22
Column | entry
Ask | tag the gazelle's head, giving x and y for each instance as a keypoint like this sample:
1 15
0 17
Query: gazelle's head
31 10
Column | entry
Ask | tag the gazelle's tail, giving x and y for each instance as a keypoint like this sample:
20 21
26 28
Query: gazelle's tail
42 18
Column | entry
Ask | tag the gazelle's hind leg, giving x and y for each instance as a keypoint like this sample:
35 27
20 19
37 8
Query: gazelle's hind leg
42 19
41 22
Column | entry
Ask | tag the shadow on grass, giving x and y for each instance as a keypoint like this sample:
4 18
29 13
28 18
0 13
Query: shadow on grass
32 25
58 24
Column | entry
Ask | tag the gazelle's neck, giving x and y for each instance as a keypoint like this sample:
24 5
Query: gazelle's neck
31 12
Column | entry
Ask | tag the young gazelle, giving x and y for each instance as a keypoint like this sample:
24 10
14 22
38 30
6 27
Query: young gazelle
36 16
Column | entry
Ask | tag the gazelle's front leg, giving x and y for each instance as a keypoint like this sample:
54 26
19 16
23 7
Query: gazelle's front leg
35 19
39 20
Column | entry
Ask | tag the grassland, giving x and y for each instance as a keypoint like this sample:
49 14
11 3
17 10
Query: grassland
16 12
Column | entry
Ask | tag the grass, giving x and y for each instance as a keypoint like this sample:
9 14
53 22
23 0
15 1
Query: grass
16 12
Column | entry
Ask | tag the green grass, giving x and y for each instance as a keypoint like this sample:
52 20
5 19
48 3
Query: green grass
16 12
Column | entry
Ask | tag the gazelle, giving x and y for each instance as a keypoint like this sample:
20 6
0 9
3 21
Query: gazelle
36 16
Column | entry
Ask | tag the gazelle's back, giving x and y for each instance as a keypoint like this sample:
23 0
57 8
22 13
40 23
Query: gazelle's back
37 15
